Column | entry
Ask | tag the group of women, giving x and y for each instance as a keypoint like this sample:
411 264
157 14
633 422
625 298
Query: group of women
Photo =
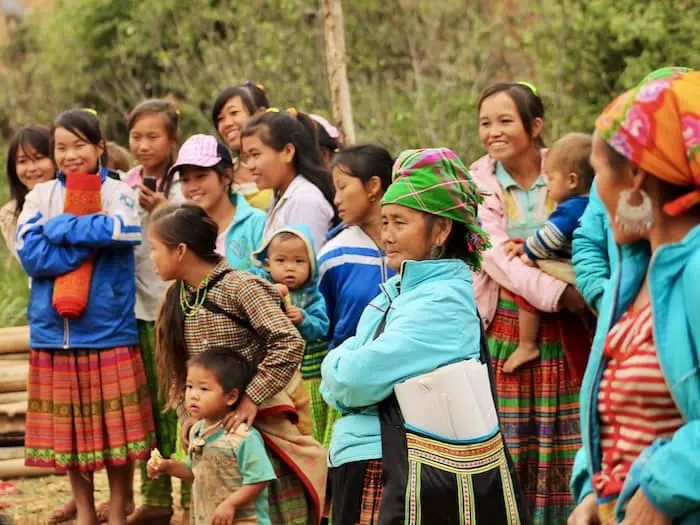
415 278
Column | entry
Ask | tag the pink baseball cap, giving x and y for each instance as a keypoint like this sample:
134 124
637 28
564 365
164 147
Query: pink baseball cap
203 151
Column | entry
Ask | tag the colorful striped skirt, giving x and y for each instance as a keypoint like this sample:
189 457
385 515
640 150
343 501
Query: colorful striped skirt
539 409
314 354
323 417
87 409
356 492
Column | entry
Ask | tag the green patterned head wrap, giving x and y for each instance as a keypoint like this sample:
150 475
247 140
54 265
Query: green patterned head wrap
665 72
435 181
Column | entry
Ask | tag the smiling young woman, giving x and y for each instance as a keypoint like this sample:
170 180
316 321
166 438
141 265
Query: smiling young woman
539 401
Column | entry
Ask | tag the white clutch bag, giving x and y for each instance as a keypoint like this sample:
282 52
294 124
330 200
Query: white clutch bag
452 402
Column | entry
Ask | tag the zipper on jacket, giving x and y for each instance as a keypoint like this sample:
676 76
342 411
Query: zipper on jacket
653 321
384 272
66 334
602 363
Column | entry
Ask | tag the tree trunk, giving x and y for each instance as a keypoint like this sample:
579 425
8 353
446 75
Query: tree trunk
336 62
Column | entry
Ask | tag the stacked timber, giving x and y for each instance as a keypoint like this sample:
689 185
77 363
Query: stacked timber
14 372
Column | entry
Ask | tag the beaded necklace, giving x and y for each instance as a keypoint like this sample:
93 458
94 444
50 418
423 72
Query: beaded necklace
201 294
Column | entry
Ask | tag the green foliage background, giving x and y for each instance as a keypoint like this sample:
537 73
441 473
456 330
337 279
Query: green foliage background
415 67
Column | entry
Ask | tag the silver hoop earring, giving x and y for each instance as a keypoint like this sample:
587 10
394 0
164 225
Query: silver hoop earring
634 211
437 251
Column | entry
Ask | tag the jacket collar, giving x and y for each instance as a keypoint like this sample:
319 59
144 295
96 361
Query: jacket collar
417 273
243 209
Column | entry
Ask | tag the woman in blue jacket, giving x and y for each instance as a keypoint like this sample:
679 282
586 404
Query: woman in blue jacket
89 406
640 399
424 318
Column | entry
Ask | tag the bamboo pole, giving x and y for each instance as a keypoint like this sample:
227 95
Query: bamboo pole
13 397
336 62
14 468
13 376
14 340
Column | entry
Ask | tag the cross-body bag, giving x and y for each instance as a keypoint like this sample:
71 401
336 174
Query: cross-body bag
431 480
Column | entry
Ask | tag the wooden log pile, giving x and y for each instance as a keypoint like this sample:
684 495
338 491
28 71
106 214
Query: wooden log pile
14 371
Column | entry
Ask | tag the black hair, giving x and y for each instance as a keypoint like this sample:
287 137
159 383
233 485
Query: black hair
176 224
327 142
572 154
365 161
227 94
39 138
456 246
171 121
83 124
228 366
259 94
529 104
276 129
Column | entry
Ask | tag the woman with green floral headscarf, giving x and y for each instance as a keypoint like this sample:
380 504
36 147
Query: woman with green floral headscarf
424 318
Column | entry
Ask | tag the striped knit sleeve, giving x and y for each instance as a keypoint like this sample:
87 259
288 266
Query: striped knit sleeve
554 238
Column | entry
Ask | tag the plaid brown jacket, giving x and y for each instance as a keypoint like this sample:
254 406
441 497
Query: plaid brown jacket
265 337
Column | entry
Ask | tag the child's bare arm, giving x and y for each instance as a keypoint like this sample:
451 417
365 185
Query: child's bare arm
226 510
170 467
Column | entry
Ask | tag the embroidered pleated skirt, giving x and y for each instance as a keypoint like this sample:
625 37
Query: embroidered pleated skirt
539 409
87 409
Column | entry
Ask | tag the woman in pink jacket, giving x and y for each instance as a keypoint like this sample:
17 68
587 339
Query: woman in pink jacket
538 402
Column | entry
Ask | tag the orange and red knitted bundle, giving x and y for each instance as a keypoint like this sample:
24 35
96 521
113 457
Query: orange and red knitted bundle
71 291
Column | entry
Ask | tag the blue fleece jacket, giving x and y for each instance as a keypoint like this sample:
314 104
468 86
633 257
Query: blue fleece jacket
668 471
431 322
308 298
51 243
351 267
245 234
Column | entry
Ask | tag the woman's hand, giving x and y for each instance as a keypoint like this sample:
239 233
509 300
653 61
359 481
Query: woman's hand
186 427
149 200
573 301
513 249
245 413
586 513
640 511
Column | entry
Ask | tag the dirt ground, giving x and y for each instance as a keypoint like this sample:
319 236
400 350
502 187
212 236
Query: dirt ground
37 497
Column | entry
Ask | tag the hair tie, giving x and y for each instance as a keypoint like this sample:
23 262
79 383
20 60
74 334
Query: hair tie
253 84
293 112
529 86
272 110
92 111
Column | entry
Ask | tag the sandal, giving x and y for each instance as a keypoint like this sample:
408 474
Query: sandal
65 513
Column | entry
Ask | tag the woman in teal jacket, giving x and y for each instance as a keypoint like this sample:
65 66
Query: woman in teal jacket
424 318
641 466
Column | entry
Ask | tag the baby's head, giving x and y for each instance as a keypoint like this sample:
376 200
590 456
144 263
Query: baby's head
215 380
288 260
569 167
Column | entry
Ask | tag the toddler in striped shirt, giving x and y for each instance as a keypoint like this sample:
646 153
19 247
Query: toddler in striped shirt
570 176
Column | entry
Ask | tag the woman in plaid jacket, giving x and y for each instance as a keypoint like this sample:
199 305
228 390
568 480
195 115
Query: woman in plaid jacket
210 305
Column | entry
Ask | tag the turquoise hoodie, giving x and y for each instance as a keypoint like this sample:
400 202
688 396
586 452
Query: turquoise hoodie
669 471
245 234
432 322
309 299
594 252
